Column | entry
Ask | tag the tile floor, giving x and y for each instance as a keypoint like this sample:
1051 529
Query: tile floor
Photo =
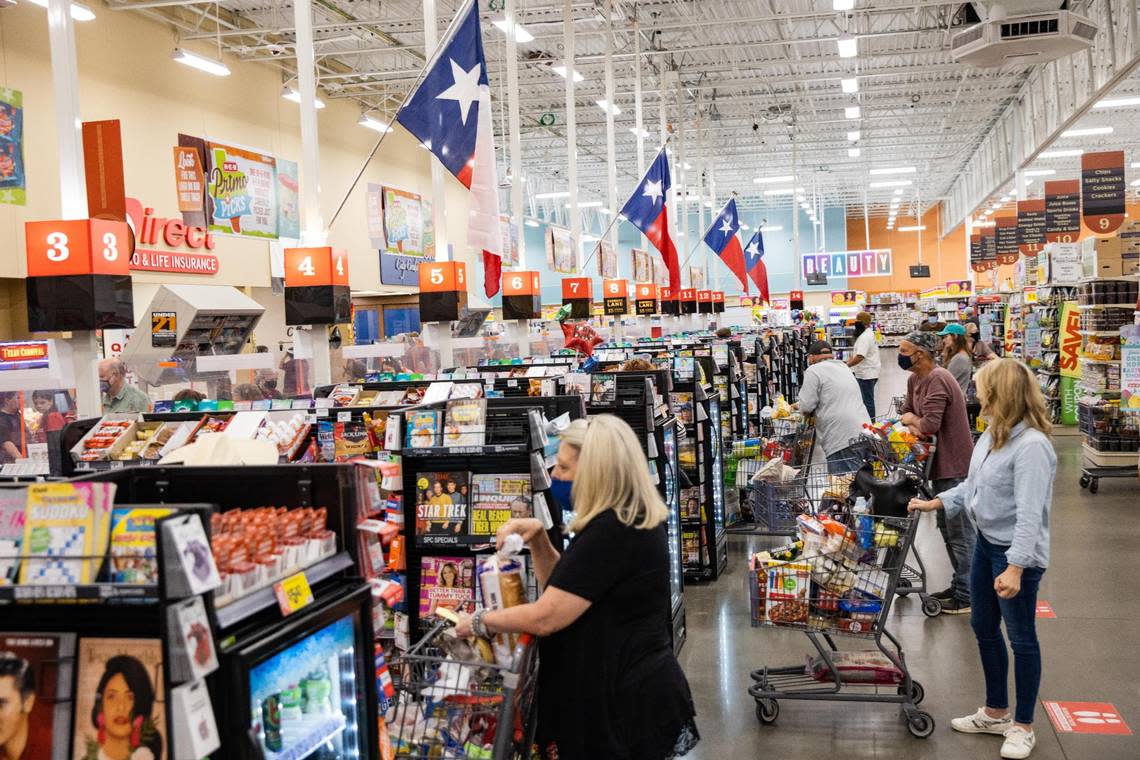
1090 651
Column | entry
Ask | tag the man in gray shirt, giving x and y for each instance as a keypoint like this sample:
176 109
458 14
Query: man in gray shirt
832 393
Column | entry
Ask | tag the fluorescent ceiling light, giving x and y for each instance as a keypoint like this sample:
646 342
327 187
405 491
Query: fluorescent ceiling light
642 133
587 204
898 191
854 135
891 183
774 180
1004 199
521 35
893 170
913 228
1135 183
771 228
1087 132
985 224
531 223
1116 102
200 62
744 226
79 11
588 238
848 46
853 152
375 124
852 112
842 5
708 204
1062 153
686 165
552 195
290 94
989 212
1040 172
560 70
605 106
850 85
781 191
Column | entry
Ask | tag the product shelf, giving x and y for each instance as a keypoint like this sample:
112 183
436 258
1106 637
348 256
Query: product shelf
232 612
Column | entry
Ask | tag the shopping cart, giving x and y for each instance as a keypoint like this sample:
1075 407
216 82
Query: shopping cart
793 438
839 583
448 703
812 490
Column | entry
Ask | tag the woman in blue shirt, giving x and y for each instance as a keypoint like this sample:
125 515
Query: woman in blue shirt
1007 496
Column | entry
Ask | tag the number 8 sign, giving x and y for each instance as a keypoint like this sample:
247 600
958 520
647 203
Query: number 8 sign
78 247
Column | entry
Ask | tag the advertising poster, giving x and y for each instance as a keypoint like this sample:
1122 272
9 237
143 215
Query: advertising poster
607 260
398 225
190 178
241 187
118 699
510 235
32 716
642 268
1005 239
560 250
12 180
1130 369
1070 340
288 200
1031 226
1102 190
1032 339
696 277
1062 211
660 272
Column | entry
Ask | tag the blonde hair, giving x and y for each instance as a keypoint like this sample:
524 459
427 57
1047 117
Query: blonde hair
612 474
1009 394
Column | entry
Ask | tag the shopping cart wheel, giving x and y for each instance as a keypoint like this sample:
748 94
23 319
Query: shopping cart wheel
920 724
917 693
931 606
767 710
1085 481
1094 485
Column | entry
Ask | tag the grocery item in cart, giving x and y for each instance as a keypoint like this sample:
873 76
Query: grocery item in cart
855 667
786 597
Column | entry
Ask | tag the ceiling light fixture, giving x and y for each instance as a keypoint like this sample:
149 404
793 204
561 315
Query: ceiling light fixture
781 191
1117 102
587 204
1062 153
79 11
560 70
373 124
893 170
531 223
842 5
853 152
607 107
989 212
913 228
850 85
852 112
891 183
854 135
1004 199
774 180
200 62
771 228
1087 132
1040 172
290 94
552 195
1135 183
641 133
521 35
898 191
848 45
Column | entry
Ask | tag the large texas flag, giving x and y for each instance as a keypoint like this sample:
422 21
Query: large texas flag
450 113
647 209
754 263
721 237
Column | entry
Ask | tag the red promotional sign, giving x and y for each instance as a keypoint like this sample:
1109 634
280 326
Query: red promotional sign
1045 610
103 170
1005 239
1102 190
1031 226
687 294
78 246
1062 211
179 262
23 352
574 288
1086 718
718 296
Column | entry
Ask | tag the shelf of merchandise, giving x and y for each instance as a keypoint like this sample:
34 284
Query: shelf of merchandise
706 474
894 319
1047 313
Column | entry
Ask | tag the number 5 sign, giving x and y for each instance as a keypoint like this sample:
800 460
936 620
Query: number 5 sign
78 247
443 290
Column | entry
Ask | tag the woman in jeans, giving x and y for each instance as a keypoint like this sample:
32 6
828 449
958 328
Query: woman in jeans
1007 495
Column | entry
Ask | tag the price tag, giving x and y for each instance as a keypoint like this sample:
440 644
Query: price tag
344 416
293 593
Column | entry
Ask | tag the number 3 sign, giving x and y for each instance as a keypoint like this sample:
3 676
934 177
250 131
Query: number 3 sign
77 247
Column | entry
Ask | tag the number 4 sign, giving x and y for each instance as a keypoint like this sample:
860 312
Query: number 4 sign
77 247
315 267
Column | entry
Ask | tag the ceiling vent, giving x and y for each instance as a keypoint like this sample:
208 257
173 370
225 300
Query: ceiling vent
1024 39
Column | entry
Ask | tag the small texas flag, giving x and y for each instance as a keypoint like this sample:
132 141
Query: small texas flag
721 237
754 263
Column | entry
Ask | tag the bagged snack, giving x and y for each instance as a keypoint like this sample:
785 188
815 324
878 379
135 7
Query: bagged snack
855 667
502 579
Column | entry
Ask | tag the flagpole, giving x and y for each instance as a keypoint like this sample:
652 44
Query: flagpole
448 34
616 215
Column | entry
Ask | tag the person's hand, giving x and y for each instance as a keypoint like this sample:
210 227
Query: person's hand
527 527
463 626
909 419
1008 584
921 505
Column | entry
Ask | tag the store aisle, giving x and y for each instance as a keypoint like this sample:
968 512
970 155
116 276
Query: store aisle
1088 651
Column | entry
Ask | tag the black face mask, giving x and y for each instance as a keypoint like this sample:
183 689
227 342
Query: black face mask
905 362
859 329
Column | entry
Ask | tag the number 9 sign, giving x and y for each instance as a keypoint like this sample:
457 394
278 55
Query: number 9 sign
77 247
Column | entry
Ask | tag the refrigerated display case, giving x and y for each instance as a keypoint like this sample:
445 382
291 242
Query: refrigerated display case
303 690
668 466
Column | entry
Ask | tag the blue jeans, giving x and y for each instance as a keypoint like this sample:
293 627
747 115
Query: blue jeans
867 388
1019 613
958 534
843 461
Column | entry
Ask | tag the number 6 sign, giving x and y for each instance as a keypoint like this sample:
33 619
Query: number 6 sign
77 247
521 295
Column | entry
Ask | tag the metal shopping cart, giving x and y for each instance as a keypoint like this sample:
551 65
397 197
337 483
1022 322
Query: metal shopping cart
788 440
812 490
793 438
461 708
840 585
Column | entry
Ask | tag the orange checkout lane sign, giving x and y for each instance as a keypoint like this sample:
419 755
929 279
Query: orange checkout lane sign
443 277
315 267
78 246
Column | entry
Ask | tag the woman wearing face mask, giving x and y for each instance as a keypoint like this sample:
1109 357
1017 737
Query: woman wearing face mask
609 685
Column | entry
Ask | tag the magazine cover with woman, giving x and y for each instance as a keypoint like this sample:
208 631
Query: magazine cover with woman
119 713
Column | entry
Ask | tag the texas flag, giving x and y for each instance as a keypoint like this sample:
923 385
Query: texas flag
647 210
754 263
450 113
721 237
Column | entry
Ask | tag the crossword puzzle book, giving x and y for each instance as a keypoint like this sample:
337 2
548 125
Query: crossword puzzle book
65 532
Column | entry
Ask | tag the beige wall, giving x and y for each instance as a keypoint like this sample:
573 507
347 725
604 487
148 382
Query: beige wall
126 73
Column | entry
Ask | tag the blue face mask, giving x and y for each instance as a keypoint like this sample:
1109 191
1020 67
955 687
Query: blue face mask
104 386
560 491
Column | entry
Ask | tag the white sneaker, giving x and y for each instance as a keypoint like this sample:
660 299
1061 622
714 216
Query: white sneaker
1018 743
980 723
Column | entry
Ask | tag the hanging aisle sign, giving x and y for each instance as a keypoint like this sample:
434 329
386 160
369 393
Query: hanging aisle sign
976 262
1031 226
1102 190
871 263
1062 211
522 295
645 300
615 297
1005 239
989 247
578 292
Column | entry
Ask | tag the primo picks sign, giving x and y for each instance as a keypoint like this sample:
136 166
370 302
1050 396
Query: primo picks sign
870 263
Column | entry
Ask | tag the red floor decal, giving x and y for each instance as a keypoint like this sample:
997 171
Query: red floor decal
1045 610
1086 718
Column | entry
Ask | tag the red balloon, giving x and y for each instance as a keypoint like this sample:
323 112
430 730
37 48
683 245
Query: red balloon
580 337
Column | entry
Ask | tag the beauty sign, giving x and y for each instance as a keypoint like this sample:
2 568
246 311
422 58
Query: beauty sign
871 263
241 187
